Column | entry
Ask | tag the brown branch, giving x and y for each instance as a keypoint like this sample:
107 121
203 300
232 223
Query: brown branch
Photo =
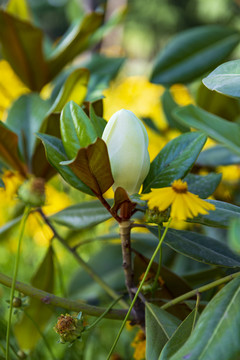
53 300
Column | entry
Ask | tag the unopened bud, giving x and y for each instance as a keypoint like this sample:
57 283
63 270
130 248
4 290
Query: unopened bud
127 143
17 302
69 328
32 192
155 216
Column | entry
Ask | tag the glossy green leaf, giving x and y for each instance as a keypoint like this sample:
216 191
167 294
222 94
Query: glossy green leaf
192 53
92 167
217 104
200 247
216 335
203 186
169 105
75 41
223 131
174 161
82 216
9 149
225 79
179 337
77 129
220 217
40 165
98 122
216 156
55 154
25 330
103 69
25 54
160 325
25 117
73 89
233 235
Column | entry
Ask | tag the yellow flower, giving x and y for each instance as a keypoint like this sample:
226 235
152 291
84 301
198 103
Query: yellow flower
139 343
183 203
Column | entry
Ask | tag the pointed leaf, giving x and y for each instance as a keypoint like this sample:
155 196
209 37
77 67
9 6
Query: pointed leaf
77 129
74 89
169 105
199 247
73 43
179 337
174 161
25 54
160 325
192 53
98 122
225 79
55 154
203 186
216 335
9 149
220 217
226 132
25 330
82 216
233 235
92 166
216 156
25 117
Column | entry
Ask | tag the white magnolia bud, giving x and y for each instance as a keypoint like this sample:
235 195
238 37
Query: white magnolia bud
127 143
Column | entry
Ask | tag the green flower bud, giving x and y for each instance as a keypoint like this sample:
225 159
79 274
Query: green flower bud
127 143
69 328
155 216
32 192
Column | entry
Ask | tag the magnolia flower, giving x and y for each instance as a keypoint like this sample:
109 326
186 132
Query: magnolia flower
127 143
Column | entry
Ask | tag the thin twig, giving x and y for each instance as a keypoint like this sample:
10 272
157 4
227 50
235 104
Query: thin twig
84 265
70 305
199 290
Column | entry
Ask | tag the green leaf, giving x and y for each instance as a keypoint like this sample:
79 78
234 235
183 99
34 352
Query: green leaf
199 247
179 337
220 217
203 186
77 129
8 227
82 216
73 89
192 53
169 105
217 104
225 79
102 69
92 166
174 161
216 335
9 149
160 325
216 156
223 131
75 41
22 47
26 332
25 117
98 122
108 264
233 235
55 154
